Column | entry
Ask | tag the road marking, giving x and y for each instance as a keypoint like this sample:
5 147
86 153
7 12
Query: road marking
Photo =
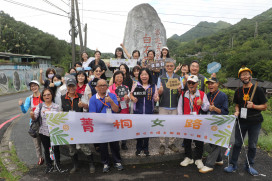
3 124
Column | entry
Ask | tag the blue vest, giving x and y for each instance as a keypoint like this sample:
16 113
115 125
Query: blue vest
145 105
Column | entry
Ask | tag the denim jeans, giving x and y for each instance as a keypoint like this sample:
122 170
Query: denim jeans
253 134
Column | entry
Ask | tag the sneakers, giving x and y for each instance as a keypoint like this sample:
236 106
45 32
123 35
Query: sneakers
252 171
186 162
205 169
49 169
138 153
119 166
219 163
146 153
199 164
230 169
162 150
173 148
106 168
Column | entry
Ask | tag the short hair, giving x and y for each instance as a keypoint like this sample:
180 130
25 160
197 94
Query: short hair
71 69
49 70
83 73
97 51
135 51
97 66
79 63
149 74
194 61
117 73
51 92
152 52
58 77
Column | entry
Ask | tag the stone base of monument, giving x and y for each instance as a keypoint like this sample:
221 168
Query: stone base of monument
129 157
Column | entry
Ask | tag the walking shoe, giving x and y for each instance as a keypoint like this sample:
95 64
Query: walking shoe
162 150
146 153
219 163
173 148
252 171
124 147
230 168
205 169
49 168
138 152
199 164
106 168
119 166
186 162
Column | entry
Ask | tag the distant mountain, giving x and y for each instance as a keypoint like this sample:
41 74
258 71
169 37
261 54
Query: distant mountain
203 29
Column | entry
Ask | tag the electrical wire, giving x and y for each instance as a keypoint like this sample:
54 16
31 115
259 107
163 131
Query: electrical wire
51 4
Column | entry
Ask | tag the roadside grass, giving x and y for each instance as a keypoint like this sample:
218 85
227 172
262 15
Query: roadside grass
21 167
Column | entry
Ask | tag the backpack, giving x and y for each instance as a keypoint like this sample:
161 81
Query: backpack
36 124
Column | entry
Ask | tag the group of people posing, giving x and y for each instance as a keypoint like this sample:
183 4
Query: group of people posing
85 89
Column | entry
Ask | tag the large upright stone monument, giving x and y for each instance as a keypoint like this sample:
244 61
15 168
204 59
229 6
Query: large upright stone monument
144 31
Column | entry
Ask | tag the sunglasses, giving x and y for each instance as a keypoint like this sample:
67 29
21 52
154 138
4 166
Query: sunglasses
193 83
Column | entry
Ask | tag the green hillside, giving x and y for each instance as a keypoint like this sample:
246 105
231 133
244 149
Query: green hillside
202 29
18 37
233 47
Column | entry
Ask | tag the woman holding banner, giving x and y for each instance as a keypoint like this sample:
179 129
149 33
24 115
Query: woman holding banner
144 105
122 97
119 54
101 63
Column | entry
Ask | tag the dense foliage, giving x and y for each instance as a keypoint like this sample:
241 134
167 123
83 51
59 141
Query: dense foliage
18 37
232 47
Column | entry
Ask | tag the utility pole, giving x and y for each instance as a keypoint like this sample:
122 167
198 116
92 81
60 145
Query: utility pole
72 22
79 27
232 42
256 30
85 37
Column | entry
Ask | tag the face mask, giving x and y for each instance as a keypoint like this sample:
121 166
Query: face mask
50 76
78 68
58 83
74 74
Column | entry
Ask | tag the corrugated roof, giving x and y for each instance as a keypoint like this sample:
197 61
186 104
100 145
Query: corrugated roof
235 82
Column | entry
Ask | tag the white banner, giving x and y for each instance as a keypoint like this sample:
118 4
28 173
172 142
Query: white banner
81 128
117 62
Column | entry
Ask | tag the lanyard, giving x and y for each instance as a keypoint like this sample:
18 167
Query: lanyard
211 101
192 103
103 102
72 103
246 96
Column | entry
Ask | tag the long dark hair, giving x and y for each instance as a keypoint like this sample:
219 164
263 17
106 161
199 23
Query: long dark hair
137 67
127 69
149 74
121 50
167 55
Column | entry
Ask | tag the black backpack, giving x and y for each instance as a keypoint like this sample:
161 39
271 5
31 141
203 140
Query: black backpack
36 124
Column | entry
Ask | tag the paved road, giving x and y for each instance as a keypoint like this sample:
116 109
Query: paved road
9 108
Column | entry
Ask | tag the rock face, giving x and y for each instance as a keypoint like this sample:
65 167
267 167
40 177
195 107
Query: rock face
144 31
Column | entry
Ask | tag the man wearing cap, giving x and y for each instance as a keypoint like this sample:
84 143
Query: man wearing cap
32 102
190 103
168 100
218 106
249 121
71 101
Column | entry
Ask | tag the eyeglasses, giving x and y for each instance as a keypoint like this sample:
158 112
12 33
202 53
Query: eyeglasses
169 65
193 83
102 86
46 95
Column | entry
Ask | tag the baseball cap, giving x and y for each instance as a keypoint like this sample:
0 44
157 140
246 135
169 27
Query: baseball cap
212 79
192 78
165 47
71 82
35 82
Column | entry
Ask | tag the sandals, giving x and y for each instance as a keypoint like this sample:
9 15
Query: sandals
41 160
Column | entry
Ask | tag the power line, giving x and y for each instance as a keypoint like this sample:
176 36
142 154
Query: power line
48 2
31 7
65 3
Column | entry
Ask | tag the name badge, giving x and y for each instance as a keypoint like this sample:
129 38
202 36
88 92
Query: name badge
243 113
193 113
123 104
108 111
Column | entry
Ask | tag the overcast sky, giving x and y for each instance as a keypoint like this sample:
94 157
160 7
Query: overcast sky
106 19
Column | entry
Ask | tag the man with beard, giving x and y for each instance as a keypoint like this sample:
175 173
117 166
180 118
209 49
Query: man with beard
249 120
